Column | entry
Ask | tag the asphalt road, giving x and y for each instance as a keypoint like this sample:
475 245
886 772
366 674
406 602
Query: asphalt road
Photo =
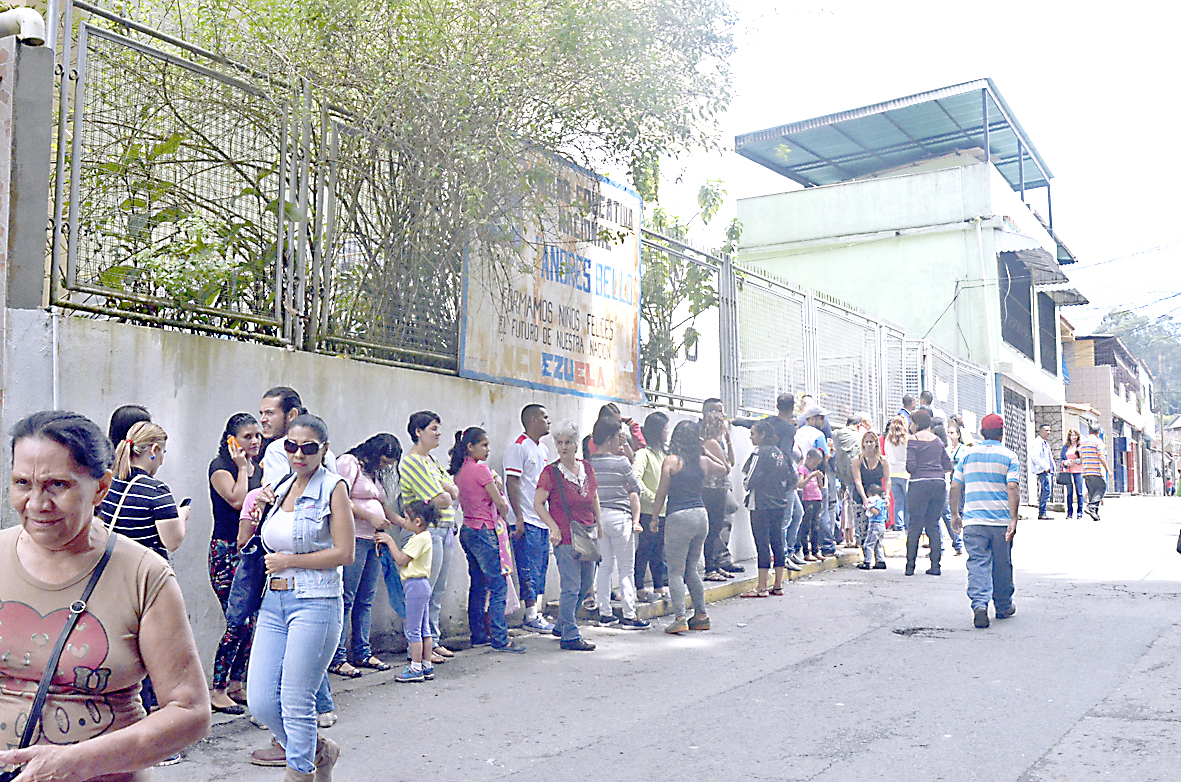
851 675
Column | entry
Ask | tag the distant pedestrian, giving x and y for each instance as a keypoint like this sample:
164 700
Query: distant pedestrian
956 449
869 469
524 459
989 476
1041 464
1094 469
425 481
817 433
927 463
414 563
872 547
1071 464
650 549
909 405
897 437
681 478
567 495
811 487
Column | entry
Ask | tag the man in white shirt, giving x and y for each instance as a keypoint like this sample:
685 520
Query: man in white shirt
1041 464
280 406
524 459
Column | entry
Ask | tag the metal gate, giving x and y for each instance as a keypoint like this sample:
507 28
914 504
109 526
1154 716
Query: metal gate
1016 407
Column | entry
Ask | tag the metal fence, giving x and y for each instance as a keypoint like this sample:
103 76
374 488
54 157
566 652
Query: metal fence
194 194
793 340
165 191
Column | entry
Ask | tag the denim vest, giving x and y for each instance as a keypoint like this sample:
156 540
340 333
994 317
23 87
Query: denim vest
312 532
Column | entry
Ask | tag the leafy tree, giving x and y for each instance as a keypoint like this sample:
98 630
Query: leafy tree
676 291
457 117
1156 341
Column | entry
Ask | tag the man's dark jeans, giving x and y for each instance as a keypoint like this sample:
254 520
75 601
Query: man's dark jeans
650 554
716 553
1096 488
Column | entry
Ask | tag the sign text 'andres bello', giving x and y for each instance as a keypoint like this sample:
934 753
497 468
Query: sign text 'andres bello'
569 268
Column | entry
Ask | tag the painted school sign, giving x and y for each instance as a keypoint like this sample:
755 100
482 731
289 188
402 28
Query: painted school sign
569 321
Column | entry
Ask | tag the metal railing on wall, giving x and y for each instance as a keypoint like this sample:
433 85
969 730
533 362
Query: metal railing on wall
192 193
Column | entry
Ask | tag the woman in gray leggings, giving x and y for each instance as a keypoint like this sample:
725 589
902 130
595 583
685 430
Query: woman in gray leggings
686 524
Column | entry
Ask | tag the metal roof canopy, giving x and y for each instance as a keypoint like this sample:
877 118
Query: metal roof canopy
884 136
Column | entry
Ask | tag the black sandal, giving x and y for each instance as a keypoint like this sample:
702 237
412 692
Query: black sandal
373 663
340 671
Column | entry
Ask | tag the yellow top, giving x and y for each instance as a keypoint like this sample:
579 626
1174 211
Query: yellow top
418 548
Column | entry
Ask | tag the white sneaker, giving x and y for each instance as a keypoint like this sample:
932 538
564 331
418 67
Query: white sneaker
796 558
791 565
326 720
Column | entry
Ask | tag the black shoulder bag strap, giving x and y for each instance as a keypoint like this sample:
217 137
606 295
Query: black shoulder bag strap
77 608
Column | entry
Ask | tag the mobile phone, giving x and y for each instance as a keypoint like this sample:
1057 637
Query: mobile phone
185 502
232 441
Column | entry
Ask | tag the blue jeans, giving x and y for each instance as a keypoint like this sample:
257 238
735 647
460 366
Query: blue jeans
898 492
828 515
1043 492
1074 494
294 640
487 587
441 555
578 578
793 514
531 553
360 585
957 539
990 566
393 582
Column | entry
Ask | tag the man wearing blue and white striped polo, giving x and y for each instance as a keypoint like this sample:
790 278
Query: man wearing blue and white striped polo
988 476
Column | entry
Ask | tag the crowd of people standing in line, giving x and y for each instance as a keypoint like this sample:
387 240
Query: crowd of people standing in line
643 514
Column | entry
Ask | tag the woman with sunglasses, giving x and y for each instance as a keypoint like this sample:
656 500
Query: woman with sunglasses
308 530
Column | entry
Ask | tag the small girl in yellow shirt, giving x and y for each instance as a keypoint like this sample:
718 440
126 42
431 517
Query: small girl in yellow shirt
414 565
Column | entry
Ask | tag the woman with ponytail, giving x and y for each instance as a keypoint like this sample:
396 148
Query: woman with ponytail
139 505
484 510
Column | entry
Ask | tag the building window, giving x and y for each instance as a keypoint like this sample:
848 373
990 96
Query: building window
1016 293
1047 321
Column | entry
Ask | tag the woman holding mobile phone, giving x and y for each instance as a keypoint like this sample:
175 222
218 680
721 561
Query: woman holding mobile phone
232 475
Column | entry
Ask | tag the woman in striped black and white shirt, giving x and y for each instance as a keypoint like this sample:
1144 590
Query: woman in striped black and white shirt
143 504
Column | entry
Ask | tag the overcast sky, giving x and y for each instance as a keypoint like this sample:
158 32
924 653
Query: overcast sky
1092 86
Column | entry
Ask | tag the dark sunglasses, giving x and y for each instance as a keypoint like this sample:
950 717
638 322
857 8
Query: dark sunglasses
307 449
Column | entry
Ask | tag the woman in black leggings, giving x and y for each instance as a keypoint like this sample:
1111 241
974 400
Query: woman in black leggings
927 462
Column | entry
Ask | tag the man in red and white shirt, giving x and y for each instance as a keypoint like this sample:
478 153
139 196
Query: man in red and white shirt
524 459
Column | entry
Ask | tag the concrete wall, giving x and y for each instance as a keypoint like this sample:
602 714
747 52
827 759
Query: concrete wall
917 200
192 384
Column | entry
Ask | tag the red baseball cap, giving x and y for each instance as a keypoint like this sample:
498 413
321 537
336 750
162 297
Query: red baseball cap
992 421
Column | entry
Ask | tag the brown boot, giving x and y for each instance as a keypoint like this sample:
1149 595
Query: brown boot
298 776
327 751
273 755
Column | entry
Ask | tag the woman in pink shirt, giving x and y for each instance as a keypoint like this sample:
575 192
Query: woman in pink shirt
363 468
1072 465
484 509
